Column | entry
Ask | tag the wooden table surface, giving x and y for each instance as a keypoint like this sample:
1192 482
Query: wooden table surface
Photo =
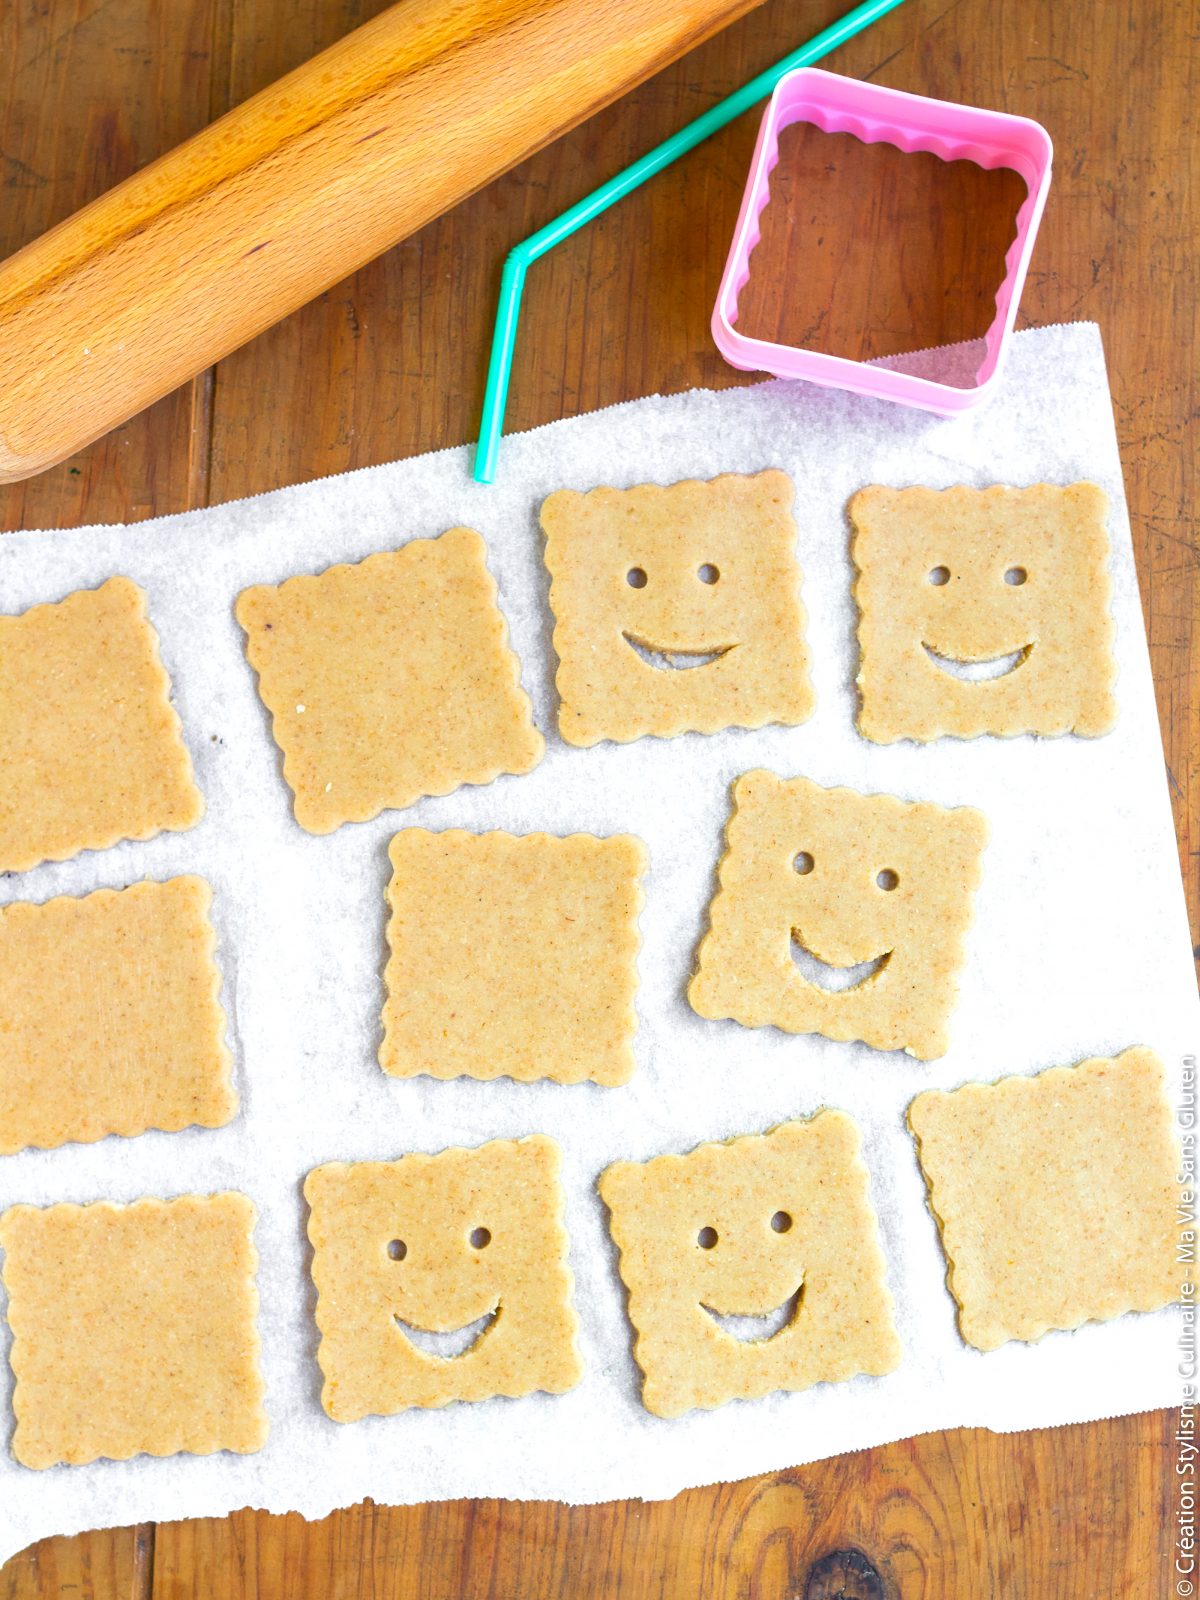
391 362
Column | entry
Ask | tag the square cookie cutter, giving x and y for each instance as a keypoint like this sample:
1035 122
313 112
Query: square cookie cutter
910 122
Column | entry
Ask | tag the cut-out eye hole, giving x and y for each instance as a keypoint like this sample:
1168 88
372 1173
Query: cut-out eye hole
1015 576
636 578
397 1249
706 1238
781 1222
802 862
480 1238
938 576
708 573
887 879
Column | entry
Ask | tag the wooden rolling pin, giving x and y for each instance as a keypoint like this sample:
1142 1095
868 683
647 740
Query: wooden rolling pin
301 185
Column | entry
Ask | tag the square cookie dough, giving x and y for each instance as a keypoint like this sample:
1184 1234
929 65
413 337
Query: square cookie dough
134 1329
1055 1195
840 913
512 956
677 608
442 1278
389 680
90 746
110 1020
752 1265
983 611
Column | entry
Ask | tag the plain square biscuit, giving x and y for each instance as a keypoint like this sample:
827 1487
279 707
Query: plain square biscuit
776 1227
1014 581
816 884
134 1329
389 680
1055 1195
91 750
467 1243
110 1020
643 577
512 956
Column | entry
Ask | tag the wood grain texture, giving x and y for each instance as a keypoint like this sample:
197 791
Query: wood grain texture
89 93
296 186
1068 1513
1060 1514
391 362
96 1566
914 219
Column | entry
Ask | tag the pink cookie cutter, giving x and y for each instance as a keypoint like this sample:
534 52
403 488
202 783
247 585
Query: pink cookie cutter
910 122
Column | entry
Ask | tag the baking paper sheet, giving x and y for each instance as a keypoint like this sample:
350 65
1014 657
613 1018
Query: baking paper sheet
1079 948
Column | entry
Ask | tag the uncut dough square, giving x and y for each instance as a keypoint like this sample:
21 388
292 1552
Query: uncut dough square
752 1265
677 608
90 746
133 1329
1008 585
468 1245
1055 1195
110 1020
840 913
512 957
389 680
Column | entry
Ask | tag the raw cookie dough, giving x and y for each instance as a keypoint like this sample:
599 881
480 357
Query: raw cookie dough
469 1245
752 1265
512 956
1055 1195
110 1020
983 611
677 608
90 746
133 1329
389 680
840 913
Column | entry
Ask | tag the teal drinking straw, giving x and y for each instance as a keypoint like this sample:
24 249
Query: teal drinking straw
512 280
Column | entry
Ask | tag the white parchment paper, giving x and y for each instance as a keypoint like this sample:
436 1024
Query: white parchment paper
1080 947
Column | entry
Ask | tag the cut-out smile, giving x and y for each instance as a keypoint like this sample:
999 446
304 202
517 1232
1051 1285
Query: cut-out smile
674 660
834 979
453 1344
978 671
759 1329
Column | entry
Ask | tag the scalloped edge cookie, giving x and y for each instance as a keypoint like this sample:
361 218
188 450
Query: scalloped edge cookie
370 1366
744 966
844 1324
180 1373
110 1016
389 680
1054 1195
91 748
1053 539
607 688
512 955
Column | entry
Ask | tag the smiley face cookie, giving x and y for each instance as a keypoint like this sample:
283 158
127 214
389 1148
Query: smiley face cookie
676 609
442 1278
840 913
752 1265
983 611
